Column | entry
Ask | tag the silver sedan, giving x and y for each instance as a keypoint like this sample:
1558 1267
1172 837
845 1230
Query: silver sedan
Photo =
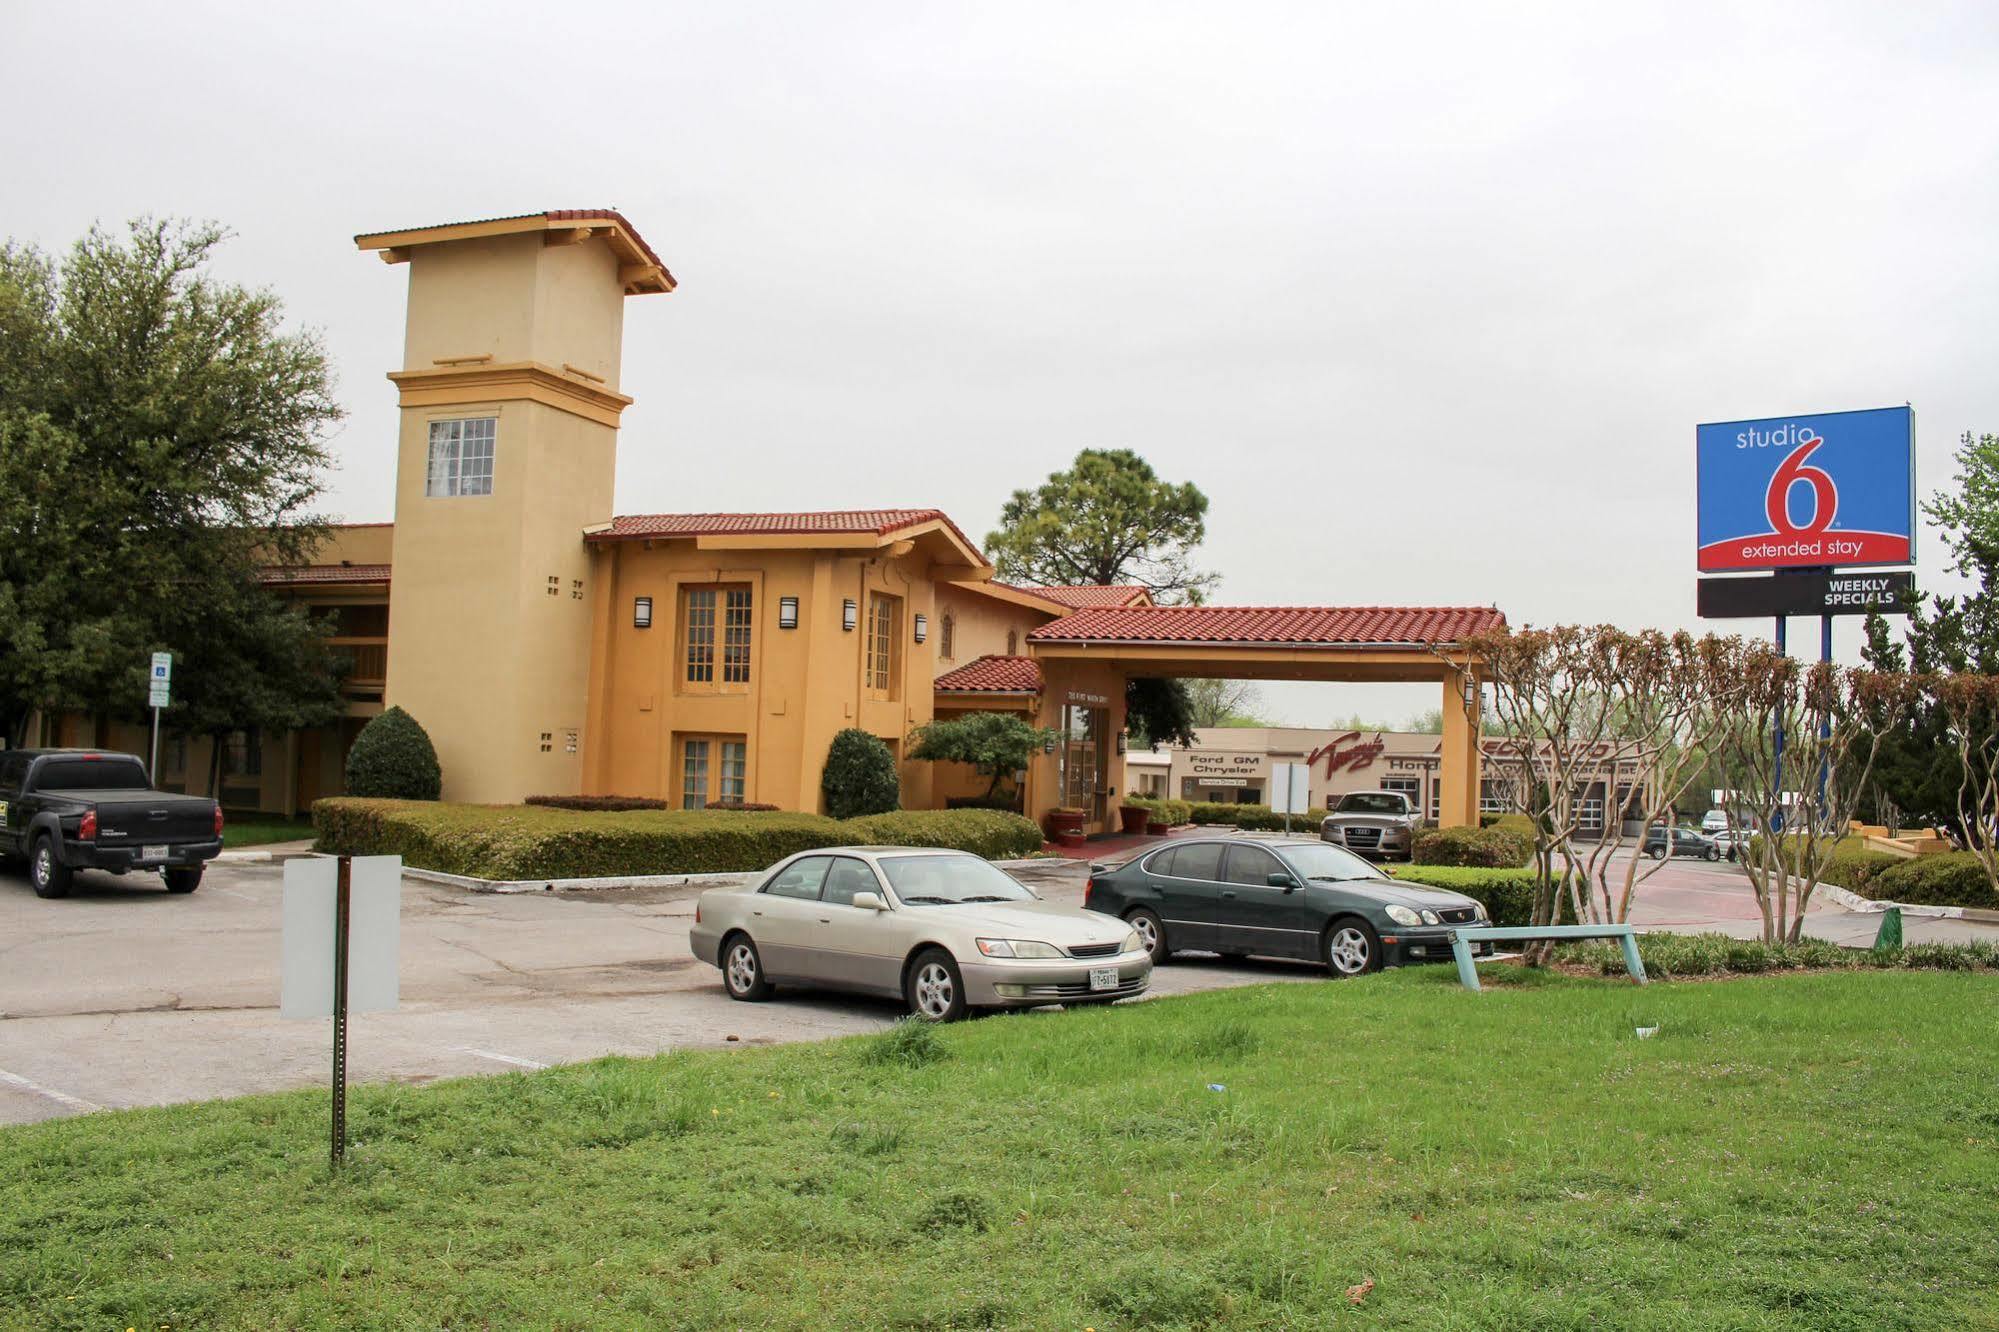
943 931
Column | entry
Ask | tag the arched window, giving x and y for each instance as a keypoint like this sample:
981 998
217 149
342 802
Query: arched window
1013 642
947 642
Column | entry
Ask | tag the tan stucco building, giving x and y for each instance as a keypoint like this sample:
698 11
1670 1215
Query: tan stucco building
550 645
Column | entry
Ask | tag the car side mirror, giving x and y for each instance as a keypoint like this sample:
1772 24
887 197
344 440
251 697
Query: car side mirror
1284 881
869 902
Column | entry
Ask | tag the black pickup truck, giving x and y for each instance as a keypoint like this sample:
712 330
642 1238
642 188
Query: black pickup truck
69 809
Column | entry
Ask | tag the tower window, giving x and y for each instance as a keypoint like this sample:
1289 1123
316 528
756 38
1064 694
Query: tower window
461 456
881 667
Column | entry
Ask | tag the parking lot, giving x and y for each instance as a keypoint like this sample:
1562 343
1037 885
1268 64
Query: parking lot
120 995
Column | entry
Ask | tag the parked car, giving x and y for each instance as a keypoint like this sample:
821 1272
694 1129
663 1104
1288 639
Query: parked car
1714 820
1728 841
944 931
1684 842
69 809
1279 898
1373 823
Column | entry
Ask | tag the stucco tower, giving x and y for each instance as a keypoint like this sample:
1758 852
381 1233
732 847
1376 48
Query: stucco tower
505 456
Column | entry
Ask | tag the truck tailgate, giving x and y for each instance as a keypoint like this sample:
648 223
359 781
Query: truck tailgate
129 817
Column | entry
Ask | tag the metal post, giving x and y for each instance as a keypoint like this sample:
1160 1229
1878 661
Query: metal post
153 767
1825 723
1777 727
340 916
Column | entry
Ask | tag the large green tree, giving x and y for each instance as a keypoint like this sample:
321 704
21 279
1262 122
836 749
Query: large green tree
1917 772
161 437
1109 519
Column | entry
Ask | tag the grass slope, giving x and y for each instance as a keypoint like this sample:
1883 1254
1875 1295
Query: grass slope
1814 1151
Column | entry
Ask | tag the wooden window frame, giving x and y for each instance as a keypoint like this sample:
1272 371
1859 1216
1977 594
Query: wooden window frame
714 767
881 656
715 638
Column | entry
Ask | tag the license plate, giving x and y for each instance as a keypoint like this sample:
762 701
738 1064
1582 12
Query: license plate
152 853
1103 978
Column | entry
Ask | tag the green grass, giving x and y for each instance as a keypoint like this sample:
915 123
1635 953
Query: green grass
1811 1151
261 829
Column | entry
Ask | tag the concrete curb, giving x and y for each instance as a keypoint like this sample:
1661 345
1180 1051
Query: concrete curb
1853 901
470 884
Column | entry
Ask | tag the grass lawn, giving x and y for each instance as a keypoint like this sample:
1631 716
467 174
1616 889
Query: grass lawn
1809 1151
239 830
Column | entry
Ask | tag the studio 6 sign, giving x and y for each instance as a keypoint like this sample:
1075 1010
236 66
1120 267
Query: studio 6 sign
1790 492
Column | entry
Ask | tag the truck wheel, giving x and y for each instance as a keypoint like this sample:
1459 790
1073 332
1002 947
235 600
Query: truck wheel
183 880
49 876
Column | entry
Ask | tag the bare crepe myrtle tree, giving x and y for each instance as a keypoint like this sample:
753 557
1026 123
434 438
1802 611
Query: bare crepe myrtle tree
1658 689
1970 704
1544 690
1799 798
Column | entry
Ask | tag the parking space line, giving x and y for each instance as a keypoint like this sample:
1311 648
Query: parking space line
59 1097
501 1058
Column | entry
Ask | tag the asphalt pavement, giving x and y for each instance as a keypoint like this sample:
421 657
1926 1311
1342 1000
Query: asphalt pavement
121 995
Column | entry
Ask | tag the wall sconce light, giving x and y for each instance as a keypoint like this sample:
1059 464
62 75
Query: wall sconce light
922 626
850 614
642 612
1048 746
787 612
1120 742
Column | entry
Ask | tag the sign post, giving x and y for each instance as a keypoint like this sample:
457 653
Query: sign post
342 922
1290 790
158 695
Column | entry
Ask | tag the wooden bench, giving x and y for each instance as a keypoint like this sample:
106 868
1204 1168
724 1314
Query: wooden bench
1461 941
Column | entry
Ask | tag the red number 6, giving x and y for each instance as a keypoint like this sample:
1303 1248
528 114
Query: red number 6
1825 495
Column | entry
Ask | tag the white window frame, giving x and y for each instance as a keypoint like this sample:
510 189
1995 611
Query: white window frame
459 462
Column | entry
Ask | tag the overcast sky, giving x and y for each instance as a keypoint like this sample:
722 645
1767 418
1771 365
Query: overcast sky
1427 299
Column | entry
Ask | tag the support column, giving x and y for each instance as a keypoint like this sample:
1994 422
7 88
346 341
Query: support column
1459 759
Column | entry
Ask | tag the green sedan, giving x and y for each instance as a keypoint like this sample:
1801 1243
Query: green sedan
1238 896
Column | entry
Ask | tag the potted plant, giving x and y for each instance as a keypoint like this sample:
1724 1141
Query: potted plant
1133 818
1156 826
1066 821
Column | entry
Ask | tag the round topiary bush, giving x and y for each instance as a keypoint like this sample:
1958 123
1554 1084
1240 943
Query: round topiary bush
860 776
393 759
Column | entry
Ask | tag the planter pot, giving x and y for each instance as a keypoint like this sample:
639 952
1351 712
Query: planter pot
1153 829
1071 837
1132 818
1065 820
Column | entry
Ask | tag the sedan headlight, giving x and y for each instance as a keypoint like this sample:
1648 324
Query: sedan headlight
1431 918
1132 943
1402 915
1018 948
1478 911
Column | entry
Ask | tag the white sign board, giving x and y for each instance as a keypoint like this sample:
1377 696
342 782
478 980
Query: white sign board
1290 788
163 667
374 935
160 695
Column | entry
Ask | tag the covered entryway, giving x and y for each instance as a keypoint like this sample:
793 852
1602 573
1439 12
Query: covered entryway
1086 658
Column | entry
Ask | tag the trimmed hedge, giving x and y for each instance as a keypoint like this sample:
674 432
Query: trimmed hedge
1497 847
1508 894
537 842
1172 813
1954 878
1667 956
604 803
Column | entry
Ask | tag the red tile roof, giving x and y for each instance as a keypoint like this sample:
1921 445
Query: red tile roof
1087 596
870 522
993 675
325 573
1329 626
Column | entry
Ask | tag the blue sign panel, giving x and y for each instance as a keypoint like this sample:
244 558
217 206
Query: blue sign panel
1791 492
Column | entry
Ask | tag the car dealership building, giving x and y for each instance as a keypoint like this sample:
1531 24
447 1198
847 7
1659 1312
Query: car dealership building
550 645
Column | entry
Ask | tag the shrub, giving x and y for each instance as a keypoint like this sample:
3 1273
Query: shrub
392 759
1499 846
860 776
741 806
1679 955
537 842
1508 894
1954 878
598 803
994 834
1172 813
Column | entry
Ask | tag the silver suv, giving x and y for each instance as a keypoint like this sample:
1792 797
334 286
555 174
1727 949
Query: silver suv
1373 823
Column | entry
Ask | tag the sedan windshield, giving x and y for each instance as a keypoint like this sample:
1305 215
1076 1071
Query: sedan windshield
1328 864
1370 802
950 880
